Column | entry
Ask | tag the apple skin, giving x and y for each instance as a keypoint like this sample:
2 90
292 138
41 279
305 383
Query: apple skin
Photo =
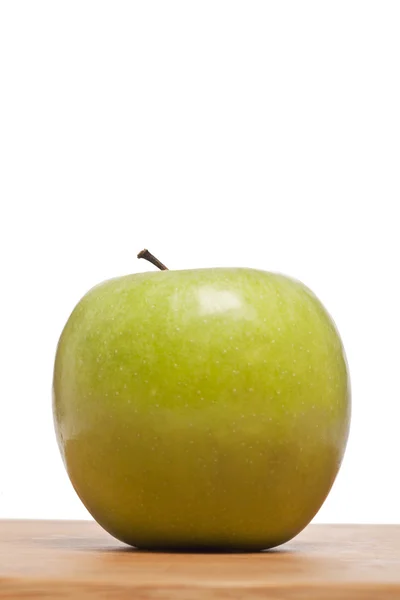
201 409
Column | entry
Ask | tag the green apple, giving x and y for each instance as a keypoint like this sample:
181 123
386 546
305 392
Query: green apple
204 408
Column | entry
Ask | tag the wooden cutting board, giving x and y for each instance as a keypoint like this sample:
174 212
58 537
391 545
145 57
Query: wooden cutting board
64 559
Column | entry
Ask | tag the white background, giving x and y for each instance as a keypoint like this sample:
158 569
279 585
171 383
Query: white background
261 134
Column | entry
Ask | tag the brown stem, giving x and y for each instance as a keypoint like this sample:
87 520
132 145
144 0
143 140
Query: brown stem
152 259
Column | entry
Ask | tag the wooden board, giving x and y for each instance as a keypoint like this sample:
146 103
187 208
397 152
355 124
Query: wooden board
48 559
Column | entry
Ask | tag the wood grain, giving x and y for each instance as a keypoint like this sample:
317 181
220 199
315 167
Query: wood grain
64 559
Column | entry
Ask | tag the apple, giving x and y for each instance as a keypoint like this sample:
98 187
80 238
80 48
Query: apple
204 408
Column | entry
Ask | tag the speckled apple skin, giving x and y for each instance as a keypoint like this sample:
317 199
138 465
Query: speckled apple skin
204 408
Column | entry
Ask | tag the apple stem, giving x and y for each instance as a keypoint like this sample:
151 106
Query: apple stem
152 259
